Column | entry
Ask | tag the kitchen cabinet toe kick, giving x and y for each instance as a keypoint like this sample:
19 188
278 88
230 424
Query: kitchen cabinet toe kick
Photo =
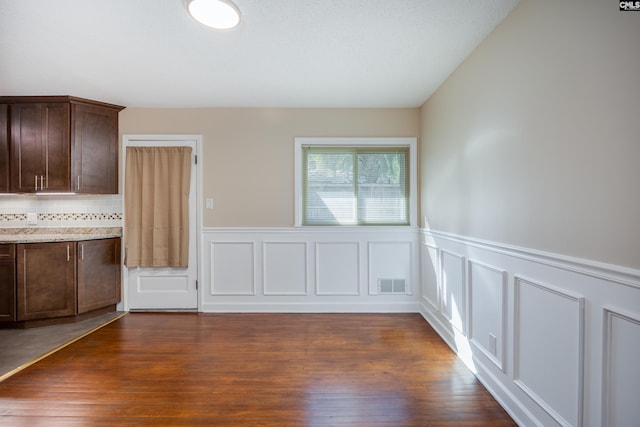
26 324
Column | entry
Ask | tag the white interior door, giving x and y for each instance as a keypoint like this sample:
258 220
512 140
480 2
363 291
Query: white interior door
166 288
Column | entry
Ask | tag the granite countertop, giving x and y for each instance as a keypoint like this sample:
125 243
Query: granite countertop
57 234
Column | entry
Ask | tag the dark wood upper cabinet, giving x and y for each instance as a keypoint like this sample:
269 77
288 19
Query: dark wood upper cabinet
40 147
94 149
61 144
4 148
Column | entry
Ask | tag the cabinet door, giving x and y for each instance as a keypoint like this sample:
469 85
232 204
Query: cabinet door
98 274
40 147
56 127
95 149
7 283
46 280
27 148
4 148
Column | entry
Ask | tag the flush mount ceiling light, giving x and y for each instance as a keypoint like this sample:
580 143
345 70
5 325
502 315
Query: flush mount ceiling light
218 14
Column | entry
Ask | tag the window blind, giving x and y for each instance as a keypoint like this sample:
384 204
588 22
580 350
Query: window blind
355 185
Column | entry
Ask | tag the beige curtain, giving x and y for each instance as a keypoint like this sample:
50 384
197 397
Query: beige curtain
156 205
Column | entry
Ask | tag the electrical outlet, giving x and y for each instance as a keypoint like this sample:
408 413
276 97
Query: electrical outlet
493 344
32 219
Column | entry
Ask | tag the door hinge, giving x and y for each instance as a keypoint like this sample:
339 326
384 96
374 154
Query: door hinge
196 156
196 285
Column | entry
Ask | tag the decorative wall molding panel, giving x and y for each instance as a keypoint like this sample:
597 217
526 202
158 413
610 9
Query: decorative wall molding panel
430 263
549 318
540 330
310 269
621 376
338 268
285 268
488 310
452 289
387 261
232 269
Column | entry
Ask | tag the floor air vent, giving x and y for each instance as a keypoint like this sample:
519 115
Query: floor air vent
392 286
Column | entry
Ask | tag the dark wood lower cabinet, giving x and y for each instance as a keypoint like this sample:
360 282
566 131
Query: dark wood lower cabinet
7 283
46 283
46 280
98 274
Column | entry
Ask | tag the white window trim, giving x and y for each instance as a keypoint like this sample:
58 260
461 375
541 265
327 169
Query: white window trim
412 143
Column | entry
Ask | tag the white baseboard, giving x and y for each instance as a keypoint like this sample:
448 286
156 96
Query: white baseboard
335 307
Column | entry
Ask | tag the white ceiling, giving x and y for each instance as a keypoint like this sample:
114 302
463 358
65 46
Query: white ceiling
286 53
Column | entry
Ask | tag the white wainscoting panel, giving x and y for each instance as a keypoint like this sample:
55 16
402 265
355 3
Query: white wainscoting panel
337 268
488 310
285 268
430 276
621 383
307 269
232 268
568 357
453 281
549 319
389 260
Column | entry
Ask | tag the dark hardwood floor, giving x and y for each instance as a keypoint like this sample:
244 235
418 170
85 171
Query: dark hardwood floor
252 370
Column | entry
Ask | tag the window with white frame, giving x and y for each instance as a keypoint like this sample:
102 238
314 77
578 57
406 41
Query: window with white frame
355 181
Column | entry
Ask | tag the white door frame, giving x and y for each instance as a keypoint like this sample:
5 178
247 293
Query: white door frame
124 304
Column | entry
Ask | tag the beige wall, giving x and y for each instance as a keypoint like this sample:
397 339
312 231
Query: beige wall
534 140
249 153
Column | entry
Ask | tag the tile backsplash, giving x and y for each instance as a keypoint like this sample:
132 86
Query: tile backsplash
61 210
